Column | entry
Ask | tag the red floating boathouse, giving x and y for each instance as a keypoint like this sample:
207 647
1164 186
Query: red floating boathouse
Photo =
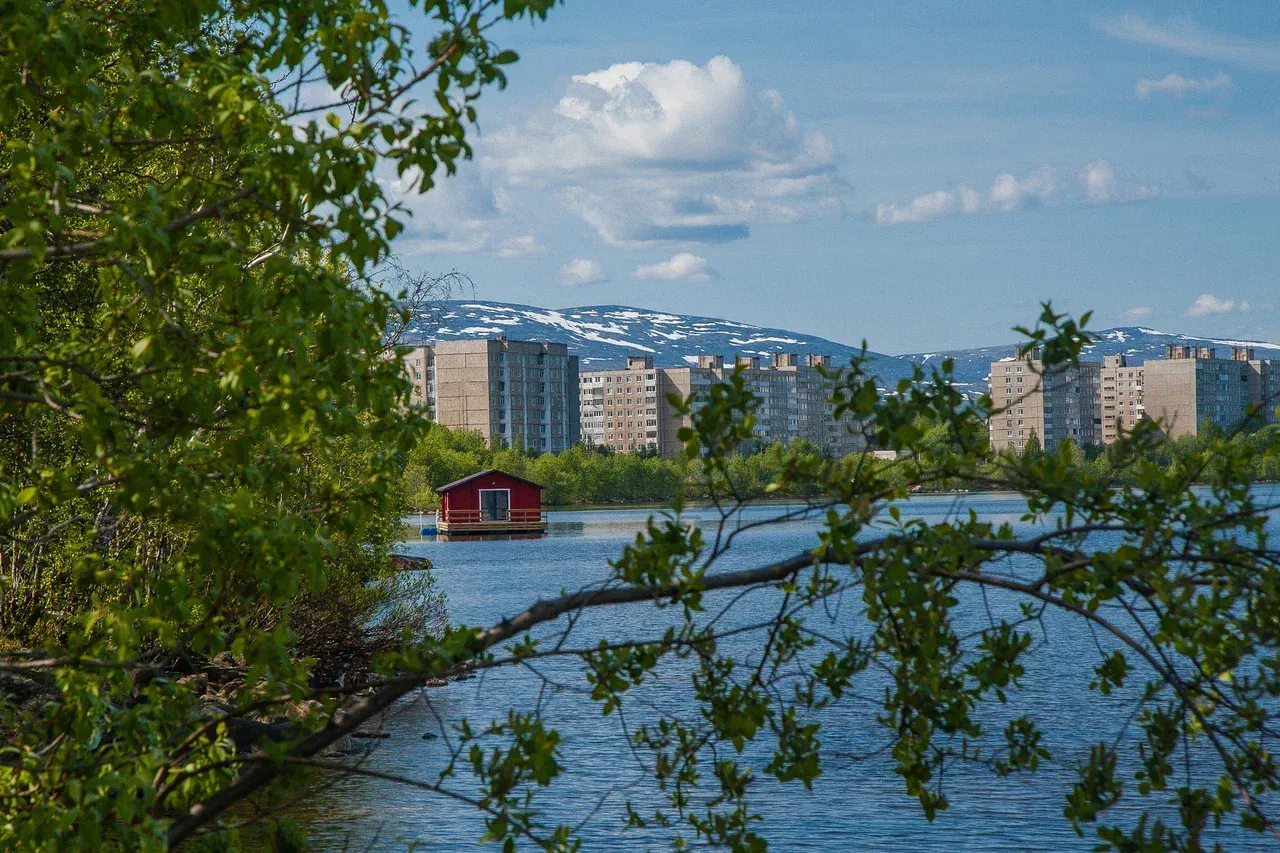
491 502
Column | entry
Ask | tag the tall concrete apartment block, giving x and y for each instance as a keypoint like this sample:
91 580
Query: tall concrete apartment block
1057 406
419 365
628 409
1121 401
511 392
620 408
1191 386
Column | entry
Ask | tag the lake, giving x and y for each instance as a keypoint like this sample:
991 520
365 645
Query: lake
858 802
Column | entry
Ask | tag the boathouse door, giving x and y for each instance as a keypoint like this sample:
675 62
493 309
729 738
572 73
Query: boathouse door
495 504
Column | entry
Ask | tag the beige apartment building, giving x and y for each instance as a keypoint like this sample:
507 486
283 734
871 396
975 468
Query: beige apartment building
419 363
628 409
1121 403
620 408
511 392
1191 386
1055 407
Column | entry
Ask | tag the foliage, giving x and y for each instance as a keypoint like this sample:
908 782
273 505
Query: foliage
583 475
201 429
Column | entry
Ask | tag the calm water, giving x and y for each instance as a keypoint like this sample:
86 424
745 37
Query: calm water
857 804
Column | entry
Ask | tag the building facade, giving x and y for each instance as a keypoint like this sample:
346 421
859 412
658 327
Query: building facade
1264 387
419 368
511 392
1121 403
1061 405
1189 387
1192 386
629 410
621 408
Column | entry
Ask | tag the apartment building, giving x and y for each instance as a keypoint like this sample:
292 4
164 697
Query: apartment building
1187 388
629 410
1121 403
1061 405
511 392
1264 386
1192 386
419 364
683 382
621 408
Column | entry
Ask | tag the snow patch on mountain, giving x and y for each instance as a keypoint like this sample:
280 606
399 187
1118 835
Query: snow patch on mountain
604 335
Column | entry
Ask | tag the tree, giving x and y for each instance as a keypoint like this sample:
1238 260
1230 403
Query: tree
201 435
201 429
1032 449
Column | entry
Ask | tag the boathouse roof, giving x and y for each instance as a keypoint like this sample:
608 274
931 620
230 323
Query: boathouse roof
485 473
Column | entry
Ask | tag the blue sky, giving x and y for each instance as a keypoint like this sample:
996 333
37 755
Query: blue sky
920 175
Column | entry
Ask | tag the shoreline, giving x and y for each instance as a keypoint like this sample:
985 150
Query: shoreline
699 503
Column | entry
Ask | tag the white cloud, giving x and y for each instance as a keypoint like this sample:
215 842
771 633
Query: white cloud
1098 182
1179 86
1138 312
1007 194
684 266
1101 186
1188 38
938 204
525 246
673 153
581 271
1207 303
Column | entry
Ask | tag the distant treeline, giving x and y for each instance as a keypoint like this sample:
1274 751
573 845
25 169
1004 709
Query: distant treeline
582 475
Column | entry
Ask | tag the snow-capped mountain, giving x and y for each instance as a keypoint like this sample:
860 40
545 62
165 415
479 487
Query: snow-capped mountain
1138 344
604 335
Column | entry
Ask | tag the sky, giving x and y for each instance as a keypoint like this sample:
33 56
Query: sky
921 175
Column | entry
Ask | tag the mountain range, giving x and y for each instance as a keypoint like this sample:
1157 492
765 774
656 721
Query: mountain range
604 335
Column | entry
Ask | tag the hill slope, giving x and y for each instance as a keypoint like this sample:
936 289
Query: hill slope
604 335
1139 344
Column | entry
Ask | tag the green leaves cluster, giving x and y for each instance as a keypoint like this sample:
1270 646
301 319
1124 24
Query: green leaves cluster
201 428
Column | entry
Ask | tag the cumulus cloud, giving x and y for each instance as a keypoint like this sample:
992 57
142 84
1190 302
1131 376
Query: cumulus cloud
1179 86
581 271
1190 39
673 153
524 246
1101 186
684 266
1007 194
1138 312
938 204
1207 303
